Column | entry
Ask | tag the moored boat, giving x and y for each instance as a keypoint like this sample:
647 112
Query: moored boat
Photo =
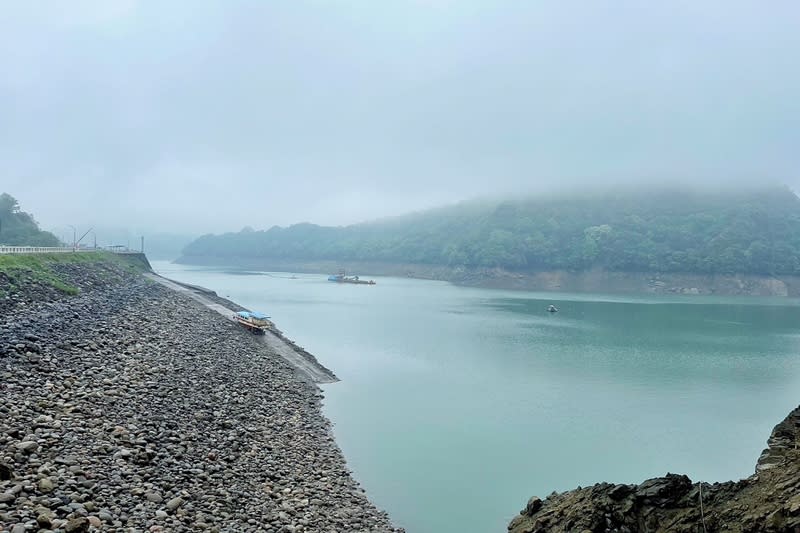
254 322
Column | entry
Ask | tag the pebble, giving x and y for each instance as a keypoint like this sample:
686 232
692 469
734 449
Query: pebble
45 485
174 503
27 446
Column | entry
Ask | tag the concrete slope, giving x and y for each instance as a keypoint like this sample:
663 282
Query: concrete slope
301 360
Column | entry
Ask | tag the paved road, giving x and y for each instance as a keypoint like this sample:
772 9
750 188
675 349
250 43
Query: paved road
316 372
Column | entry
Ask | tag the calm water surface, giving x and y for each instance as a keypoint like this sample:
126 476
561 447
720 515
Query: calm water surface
457 404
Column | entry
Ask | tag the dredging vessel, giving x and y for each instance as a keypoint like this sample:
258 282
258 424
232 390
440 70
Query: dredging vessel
341 277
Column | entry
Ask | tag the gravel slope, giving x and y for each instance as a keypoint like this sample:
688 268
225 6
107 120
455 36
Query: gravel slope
131 408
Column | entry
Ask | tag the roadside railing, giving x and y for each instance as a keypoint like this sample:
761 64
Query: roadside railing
60 249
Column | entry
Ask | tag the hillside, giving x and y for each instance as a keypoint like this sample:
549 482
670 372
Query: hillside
668 230
18 228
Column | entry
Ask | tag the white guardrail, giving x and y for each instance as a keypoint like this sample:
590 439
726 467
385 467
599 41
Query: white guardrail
56 250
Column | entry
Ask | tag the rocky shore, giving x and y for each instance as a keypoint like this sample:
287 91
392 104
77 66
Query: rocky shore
128 407
769 500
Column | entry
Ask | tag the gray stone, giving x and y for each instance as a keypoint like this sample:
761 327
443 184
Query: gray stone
27 446
174 503
44 521
46 485
77 525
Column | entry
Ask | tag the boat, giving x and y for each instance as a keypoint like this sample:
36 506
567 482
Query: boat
552 309
341 277
257 323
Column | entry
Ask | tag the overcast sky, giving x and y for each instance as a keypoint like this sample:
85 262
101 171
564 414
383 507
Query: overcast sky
208 116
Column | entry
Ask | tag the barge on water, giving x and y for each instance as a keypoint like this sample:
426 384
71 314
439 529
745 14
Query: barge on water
257 323
342 278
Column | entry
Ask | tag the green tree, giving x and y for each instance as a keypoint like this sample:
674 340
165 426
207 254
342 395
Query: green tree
18 228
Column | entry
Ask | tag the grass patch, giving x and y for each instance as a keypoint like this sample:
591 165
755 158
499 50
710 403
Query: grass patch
25 268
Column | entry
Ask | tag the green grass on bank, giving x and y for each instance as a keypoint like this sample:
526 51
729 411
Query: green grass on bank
25 268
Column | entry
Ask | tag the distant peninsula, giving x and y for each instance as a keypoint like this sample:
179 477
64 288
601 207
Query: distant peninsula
665 240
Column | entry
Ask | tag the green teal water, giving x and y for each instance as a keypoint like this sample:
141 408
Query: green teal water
458 404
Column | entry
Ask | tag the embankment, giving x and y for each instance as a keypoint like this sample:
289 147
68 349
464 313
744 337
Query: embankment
767 501
128 405
595 281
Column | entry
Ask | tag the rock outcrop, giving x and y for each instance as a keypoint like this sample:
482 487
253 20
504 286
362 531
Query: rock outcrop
767 501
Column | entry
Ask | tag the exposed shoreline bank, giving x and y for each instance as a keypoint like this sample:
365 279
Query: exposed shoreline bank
131 406
769 500
593 281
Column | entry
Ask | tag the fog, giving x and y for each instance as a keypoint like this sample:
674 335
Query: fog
208 116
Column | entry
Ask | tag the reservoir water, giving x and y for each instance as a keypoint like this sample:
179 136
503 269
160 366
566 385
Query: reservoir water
458 404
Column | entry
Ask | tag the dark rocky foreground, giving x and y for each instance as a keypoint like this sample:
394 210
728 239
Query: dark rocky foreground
130 408
766 501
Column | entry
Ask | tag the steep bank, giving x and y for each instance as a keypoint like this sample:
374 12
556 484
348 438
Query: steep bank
767 501
126 405
593 281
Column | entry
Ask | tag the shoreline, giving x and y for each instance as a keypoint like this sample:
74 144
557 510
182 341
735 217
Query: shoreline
592 281
132 406
307 365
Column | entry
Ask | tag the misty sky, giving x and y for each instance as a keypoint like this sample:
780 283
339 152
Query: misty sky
208 116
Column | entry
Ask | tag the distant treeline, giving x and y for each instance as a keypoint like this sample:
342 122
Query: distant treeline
752 231
18 228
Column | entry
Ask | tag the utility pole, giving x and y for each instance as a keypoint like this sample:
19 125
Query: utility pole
142 243
74 237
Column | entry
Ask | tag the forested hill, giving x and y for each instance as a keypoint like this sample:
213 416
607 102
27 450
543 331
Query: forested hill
752 231
18 228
